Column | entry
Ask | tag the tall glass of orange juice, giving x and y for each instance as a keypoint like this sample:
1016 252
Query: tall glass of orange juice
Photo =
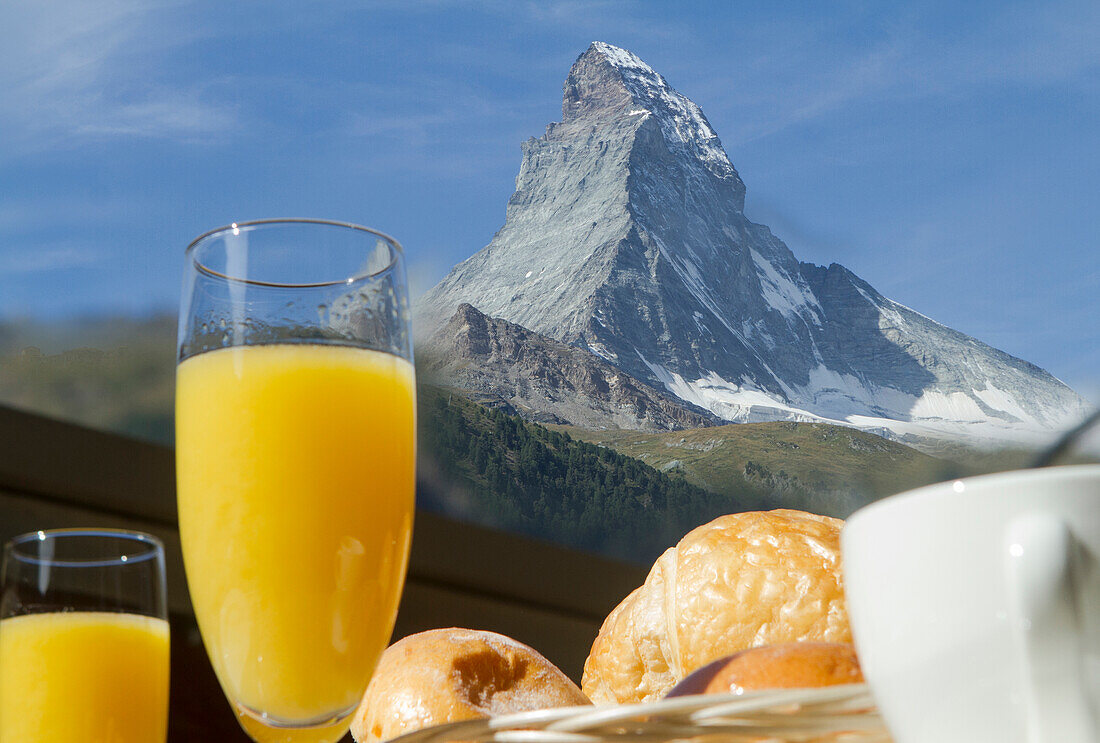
295 454
83 638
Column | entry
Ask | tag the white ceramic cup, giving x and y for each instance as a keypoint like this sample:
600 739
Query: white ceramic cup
975 607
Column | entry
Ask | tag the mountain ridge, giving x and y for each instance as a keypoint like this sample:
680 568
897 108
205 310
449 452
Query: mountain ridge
626 236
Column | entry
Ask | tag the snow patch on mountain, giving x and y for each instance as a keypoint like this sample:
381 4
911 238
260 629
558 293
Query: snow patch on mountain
790 299
842 400
1000 400
682 121
740 403
601 350
694 281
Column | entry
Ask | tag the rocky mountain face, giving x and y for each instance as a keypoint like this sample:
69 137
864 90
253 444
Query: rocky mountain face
546 381
626 237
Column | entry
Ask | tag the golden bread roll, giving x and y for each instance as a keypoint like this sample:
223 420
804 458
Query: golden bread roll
794 665
447 675
741 581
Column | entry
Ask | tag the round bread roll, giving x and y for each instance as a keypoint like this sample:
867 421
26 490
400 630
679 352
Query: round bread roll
795 665
447 675
741 581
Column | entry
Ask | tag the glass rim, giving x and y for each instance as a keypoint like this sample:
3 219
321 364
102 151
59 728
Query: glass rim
397 251
153 547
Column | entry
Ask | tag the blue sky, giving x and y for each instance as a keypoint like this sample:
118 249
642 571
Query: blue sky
946 152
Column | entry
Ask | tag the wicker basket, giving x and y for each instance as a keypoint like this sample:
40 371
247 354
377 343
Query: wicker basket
841 714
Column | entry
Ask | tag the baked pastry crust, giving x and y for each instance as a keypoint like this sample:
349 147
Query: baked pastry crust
447 675
743 580
795 665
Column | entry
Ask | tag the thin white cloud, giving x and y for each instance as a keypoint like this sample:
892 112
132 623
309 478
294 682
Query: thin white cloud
20 216
45 259
177 115
72 69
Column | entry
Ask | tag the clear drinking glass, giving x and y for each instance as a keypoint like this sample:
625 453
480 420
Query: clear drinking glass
83 638
295 453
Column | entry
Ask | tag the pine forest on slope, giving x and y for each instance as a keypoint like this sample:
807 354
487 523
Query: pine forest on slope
501 471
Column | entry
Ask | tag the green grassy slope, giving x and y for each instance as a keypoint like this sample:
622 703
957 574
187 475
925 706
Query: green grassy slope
814 466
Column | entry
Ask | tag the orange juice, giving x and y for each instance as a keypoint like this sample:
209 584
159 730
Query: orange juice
295 479
83 676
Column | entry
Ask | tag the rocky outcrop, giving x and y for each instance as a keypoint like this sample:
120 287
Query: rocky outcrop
546 381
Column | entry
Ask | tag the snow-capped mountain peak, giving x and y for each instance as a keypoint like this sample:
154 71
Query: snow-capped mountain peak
626 236
682 123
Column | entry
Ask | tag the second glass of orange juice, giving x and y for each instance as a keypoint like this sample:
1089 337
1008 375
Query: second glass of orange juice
295 440
83 638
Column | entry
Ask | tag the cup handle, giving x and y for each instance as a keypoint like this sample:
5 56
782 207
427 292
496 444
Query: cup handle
1043 614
